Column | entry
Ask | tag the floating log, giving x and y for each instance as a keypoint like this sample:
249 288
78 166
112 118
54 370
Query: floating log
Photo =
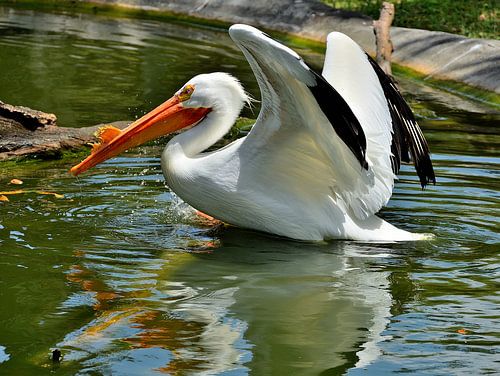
27 132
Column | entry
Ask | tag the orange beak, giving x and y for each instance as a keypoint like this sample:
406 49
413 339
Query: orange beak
168 117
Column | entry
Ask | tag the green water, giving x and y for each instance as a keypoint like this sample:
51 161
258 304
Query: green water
124 279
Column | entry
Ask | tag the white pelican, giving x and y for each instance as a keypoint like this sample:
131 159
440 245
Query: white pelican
320 160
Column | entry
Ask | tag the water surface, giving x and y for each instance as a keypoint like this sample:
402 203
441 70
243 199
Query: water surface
124 279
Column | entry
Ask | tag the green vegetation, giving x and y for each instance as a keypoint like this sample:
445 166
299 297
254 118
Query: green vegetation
472 18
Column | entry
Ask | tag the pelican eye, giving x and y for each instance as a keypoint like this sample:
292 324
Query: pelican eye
186 93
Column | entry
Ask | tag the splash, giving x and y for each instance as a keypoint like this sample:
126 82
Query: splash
181 211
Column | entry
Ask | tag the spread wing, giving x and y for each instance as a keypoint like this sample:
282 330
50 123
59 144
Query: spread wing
313 136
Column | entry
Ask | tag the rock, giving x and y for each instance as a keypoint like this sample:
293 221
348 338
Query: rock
26 132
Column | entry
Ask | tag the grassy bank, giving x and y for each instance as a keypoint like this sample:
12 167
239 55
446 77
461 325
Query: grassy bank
472 18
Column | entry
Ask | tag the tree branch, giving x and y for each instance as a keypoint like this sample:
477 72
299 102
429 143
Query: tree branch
382 30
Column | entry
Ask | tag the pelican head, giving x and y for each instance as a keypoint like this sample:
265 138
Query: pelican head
215 99
217 91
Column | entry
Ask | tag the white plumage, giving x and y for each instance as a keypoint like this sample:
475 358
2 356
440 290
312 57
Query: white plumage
320 160
291 175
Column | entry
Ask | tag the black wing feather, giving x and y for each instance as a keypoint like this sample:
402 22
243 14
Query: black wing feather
341 117
334 107
407 137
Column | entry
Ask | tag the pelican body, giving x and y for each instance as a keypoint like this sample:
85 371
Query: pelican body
320 160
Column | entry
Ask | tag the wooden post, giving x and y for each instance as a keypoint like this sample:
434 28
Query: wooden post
382 30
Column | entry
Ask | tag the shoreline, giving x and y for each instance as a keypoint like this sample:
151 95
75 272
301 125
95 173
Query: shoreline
456 62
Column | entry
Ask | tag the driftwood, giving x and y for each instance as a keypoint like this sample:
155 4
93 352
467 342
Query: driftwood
31 119
382 30
26 132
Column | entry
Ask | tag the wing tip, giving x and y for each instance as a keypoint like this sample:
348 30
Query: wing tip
240 32
335 37
425 172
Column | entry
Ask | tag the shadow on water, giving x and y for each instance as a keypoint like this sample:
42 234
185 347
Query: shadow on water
242 301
